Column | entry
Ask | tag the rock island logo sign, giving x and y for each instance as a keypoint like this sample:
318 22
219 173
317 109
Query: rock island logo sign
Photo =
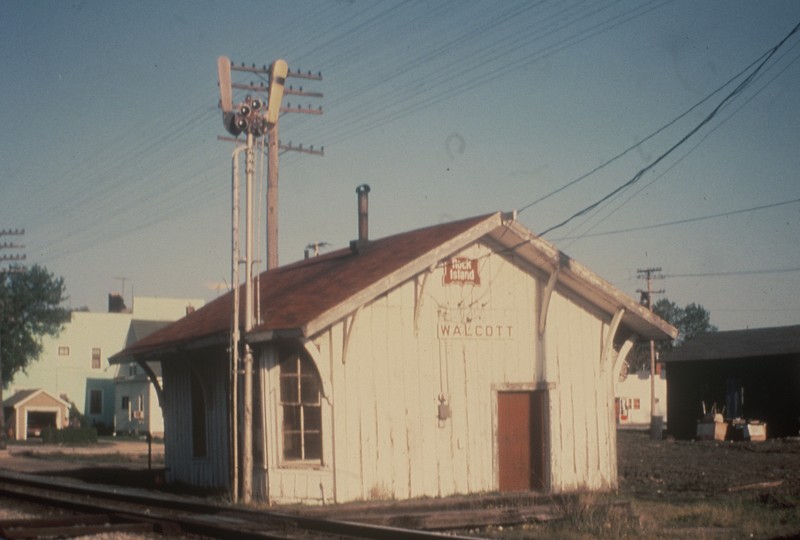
461 271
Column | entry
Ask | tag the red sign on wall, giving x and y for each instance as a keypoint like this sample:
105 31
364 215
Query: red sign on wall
461 271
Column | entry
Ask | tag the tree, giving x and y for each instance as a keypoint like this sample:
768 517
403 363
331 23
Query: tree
690 321
30 308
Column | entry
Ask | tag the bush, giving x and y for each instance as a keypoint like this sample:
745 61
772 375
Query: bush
103 429
69 436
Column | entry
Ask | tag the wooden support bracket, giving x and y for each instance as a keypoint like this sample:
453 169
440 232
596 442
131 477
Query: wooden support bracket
608 346
419 290
347 325
548 292
153 379
623 354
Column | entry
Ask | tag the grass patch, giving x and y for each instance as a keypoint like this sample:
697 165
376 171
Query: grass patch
588 516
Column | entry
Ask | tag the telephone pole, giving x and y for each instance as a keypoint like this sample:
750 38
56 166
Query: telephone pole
6 258
256 116
274 145
14 257
649 274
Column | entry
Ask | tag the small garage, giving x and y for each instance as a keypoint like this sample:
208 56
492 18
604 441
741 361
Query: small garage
28 412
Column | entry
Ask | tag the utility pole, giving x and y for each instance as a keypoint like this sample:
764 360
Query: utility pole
6 258
649 274
255 117
274 146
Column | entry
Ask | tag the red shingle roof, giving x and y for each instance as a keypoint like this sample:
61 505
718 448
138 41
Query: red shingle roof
305 297
298 293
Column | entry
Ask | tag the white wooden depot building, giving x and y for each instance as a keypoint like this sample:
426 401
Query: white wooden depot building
465 357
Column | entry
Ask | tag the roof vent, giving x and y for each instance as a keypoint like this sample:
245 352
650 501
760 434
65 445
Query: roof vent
363 218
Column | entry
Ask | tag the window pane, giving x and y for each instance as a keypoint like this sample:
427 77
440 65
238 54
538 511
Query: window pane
313 447
95 402
291 418
300 389
313 418
310 389
292 446
289 392
289 365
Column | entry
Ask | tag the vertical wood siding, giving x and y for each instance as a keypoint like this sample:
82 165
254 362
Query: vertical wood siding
580 424
211 471
381 435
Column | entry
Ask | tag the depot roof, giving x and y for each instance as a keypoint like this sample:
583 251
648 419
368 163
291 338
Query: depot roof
303 298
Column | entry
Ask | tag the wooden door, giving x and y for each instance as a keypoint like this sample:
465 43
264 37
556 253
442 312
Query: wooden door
521 440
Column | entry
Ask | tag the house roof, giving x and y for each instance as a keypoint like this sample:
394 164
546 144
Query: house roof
305 297
140 329
21 396
736 344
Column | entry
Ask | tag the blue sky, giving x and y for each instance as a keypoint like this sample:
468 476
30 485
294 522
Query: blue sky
110 160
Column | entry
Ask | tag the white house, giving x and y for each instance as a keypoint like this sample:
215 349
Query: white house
74 365
466 357
633 398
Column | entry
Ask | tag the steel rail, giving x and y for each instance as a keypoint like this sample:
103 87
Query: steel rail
194 516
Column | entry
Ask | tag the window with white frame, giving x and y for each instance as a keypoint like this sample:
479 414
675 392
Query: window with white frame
301 406
96 358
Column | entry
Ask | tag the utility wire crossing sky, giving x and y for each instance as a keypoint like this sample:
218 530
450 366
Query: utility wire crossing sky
634 133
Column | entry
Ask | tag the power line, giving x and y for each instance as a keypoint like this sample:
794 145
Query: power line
736 272
682 221
116 186
693 148
735 92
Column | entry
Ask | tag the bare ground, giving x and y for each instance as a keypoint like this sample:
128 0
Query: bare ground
675 489
668 468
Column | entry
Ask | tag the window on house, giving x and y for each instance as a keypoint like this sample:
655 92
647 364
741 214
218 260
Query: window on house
199 444
300 402
636 403
126 403
63 351
96 358
132 370
95 402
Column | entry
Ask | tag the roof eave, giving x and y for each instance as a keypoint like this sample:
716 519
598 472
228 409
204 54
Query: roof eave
578 278
402 274
158 353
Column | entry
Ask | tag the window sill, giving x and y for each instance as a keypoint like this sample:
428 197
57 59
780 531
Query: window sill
302 465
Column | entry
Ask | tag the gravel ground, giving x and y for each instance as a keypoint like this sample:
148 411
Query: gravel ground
663 470
670 468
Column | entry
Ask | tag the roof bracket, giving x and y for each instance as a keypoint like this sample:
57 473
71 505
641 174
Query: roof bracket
546 294
621 356
153 379
347 326
608 346
419 289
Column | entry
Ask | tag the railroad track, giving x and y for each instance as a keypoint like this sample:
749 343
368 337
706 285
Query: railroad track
115 510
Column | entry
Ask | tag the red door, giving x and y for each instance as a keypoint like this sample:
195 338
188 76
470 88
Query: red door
520 433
